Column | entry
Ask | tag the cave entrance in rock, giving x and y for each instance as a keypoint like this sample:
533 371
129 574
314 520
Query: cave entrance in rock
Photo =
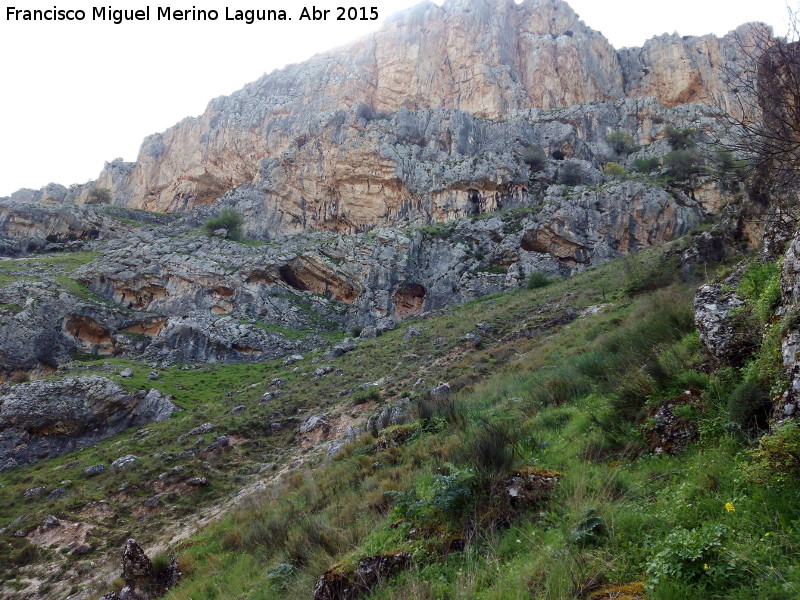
475 206
308 279
290 277
409 299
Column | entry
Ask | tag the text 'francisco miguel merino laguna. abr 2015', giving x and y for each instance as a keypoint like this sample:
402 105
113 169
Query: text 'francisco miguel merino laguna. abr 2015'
167 13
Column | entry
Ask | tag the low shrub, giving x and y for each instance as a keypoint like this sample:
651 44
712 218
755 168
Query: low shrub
371 394
536 280
646 165
615 170
776 460
230 220
682 164
749 407
621 142
535 157
571 173
99 195
681 139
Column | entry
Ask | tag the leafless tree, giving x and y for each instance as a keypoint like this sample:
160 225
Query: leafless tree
762 111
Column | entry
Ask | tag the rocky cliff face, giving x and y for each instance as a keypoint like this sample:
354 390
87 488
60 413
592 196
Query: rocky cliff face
48 418
349 139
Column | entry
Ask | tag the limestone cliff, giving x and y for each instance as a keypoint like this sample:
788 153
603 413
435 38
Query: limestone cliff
338 142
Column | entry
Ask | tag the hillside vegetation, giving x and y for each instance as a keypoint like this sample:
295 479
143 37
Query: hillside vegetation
585 449
598 458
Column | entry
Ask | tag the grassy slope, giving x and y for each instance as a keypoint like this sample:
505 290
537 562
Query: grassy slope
555 394
688 524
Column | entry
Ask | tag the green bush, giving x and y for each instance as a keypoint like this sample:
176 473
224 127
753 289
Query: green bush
571 173
682 164
371 394
648 277
438 500
692 557
537 280
749 406
230 220
621 142
776 461
761 287
681 139
646 165
615 170
101 195
534 157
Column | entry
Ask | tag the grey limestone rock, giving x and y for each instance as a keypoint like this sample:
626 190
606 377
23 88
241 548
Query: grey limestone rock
94 470
124 462
314 422
727 339
50 417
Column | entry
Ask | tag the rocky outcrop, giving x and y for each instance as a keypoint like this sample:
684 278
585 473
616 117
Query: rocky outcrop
722 323
405 126
51 417
385 275
790 345
678 70
340 584
142 580
356 170
27 226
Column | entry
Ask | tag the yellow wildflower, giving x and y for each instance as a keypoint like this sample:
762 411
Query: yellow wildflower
705 567
730 507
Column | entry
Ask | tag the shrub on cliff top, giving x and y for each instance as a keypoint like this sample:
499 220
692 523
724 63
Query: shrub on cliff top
230 220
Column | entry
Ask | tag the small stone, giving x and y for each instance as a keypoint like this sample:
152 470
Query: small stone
127 373
411 332
20 534
322 371
290 360
82 550
197 482
152 502
369 333
219 443
472 338
123 463
202 429
56 493
441 392
154 375
33 492
94 470
314 422
277 382
50 522
238 410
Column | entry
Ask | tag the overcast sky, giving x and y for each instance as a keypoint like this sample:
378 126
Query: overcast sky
77 94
